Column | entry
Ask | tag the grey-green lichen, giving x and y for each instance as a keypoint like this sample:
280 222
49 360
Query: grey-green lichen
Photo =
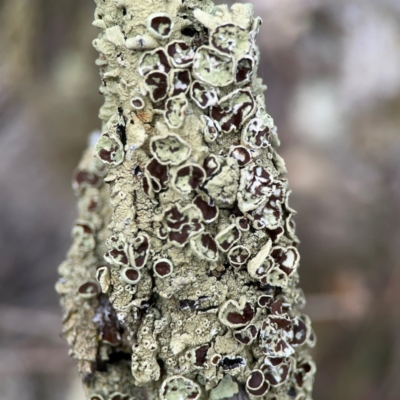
182 280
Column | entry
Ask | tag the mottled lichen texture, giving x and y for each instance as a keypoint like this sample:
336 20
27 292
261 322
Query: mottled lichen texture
182 279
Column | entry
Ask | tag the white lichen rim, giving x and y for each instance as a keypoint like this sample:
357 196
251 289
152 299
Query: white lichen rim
117 240
148 174
122 395
245 329
79 223
223 233
90 295
96 397
192 357
242 196
181 209
312 364
209 123
287 207
160 260
151 53
126 279
312 337
227 58
151 192
131 250
289 362
174 63
267 218
259 259
108 137
290 227
103 276
181 98
176 377
248 379
152 31
263 295
233 148
141 42
250 75
245 32
152 88
87 241
171 160
217 162
197 251
296 258
174 72
117 258
135 107
212 90
230 99
238 306
236 248
175 177
246 133
213 357
202 195
92 172
276 277
237 222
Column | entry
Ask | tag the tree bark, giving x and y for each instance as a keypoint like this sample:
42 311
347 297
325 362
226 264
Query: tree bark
182 282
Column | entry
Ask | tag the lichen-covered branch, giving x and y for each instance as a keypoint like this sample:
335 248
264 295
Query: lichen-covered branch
182 280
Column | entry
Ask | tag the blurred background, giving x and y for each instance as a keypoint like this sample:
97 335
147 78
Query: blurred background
333 73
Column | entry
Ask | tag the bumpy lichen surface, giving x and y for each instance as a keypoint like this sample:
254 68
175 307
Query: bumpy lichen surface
182 280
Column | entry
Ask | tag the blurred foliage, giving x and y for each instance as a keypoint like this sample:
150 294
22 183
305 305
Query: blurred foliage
333 76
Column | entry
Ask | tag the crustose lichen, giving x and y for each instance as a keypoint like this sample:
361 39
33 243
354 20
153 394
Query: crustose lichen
182 279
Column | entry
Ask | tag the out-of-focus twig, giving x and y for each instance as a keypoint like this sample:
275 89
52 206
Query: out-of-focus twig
38 360
334 307
30 322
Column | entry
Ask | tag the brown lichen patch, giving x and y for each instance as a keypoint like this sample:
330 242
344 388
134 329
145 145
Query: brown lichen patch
231 39
179 387
203 95
233 110
110 150
228 237
175 108
213 67
181 54
181 224
205 247
209 211
188 177
244 70
236 315
180 82
156 60
139 251
160 25
163 268
157 84
170 149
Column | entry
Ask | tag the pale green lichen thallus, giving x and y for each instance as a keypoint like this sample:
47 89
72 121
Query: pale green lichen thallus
182 279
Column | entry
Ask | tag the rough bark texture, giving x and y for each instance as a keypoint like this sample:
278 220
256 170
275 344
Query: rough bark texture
182 279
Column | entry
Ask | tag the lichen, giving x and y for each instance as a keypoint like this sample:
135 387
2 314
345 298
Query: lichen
181 282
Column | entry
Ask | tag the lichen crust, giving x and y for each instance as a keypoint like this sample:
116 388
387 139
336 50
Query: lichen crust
182 279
